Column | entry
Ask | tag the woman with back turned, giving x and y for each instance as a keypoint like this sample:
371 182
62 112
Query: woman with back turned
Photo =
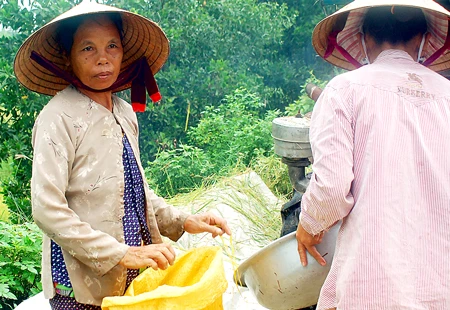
380 140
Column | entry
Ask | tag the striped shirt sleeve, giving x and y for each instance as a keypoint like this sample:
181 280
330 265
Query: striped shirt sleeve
328 198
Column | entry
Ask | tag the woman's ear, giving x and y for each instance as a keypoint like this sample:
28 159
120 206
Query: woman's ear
67 62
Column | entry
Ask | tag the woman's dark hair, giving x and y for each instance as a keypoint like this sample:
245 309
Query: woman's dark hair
67 28
394 25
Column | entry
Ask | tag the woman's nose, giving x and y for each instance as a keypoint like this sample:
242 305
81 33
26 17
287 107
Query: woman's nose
103 58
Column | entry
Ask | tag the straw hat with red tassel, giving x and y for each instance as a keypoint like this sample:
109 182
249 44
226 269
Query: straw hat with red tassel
40 66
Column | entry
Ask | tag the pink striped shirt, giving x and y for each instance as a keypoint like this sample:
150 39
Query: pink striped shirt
380 137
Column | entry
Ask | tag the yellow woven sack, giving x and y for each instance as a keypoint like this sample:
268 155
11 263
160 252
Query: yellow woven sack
196 281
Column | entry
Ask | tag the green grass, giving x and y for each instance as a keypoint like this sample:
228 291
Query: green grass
244 197
4 213
274 173
5 173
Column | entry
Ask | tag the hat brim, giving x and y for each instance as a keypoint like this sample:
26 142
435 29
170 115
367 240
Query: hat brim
141 38
348 21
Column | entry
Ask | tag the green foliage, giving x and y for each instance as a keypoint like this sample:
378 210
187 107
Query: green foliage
227 138
303 103
179 170
18 106
20 252
16 188
5 169
235 131
5 173
274 173
4 212
16 119
216 46
297 49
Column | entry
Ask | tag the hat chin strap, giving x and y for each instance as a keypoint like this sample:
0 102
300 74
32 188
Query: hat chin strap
420 59
332 44
138 74
440 51
365 60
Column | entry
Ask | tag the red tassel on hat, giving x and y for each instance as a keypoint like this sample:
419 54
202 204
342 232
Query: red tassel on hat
156 97
138 101
144 80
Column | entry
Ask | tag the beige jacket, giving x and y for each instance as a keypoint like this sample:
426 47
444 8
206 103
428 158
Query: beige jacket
77 192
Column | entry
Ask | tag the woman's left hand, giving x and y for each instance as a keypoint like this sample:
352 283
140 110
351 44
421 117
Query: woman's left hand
307 242
206 222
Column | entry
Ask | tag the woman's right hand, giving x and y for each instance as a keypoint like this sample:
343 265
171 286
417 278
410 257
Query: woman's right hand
157 256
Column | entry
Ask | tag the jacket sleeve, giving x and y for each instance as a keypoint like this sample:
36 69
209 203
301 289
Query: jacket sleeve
328 197
170 220
54 153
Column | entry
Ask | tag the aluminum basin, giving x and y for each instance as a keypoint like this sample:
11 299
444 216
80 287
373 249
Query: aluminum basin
276 277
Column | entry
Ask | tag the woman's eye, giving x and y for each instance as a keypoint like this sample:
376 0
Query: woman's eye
87 48
113 45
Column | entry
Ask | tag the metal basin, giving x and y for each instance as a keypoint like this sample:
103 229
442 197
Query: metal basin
276 277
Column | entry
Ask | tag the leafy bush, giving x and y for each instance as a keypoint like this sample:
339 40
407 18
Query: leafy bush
18 106
179 170
5 173
303 103
4 213
20 252
15 188
227 138
216 46
236 131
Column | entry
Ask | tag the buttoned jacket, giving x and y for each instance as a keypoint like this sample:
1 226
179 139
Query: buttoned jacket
77 192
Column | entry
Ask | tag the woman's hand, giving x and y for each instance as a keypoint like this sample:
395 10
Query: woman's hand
306 242
206 222
157 256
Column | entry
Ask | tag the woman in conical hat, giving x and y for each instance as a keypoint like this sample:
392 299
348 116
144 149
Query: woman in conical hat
379 136
101 221
41 62
338 38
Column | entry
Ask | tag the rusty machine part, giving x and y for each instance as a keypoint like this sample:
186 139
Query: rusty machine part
313 91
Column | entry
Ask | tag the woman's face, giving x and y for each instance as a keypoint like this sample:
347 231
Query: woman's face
96 54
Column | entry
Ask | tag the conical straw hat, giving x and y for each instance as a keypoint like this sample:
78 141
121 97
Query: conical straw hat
348 23
141 38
